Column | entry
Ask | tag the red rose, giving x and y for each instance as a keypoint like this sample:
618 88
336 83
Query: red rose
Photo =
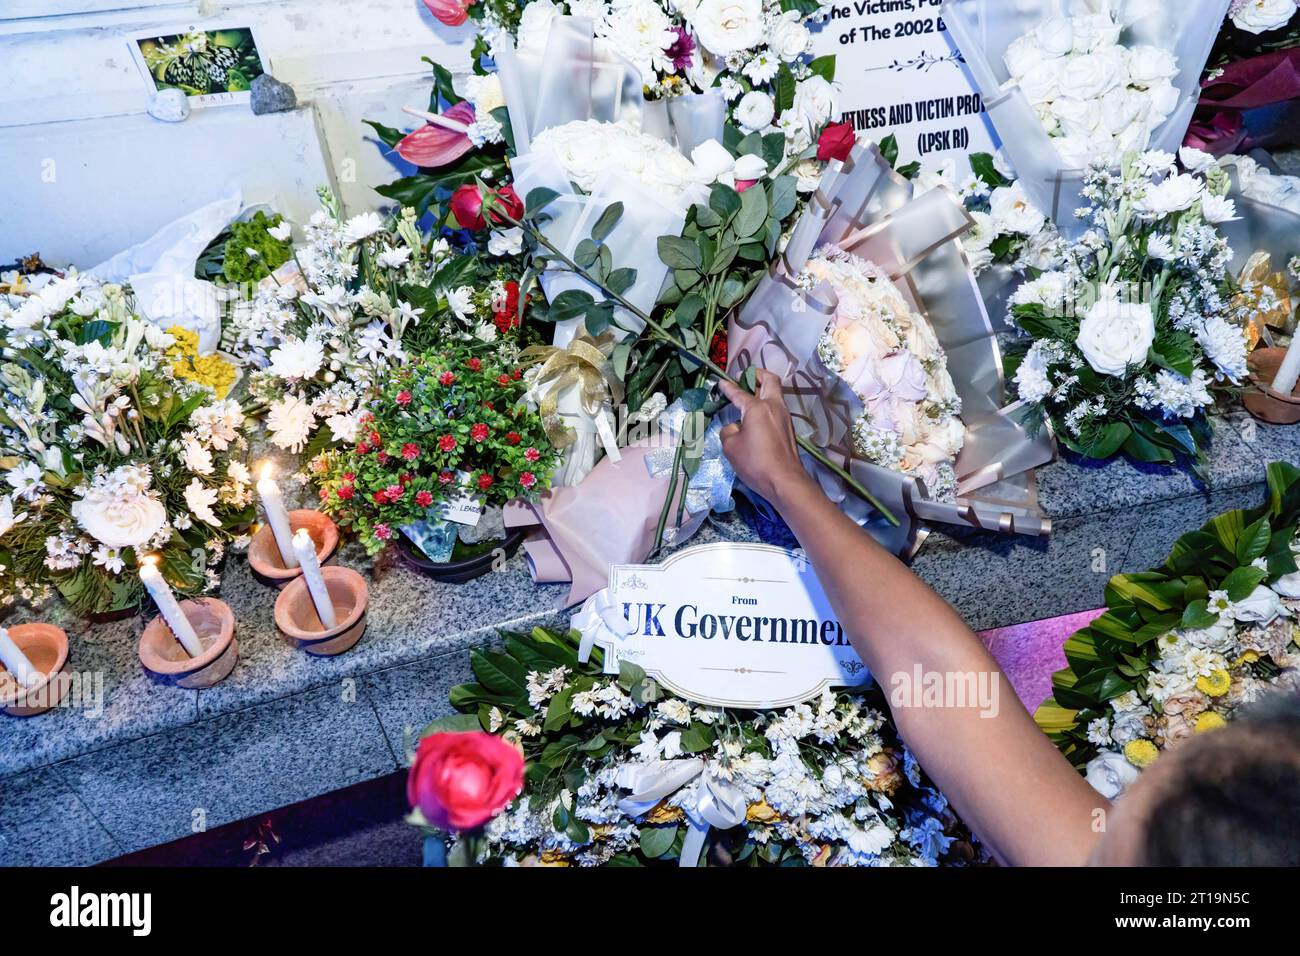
445 477
403 397
447 443
345 492
410 451
503 379
446 378
484 481
514 438
532 454
718 349
474 364
528 479
382 532
363 448
381 496
835 142
479 432
424 498
467 206
461 781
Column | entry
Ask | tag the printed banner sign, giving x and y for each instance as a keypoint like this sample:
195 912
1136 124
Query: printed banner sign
735 625
900 73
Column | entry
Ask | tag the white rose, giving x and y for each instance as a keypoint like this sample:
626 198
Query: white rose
1013 212
1022 55
124 520
1042 83
982 233
535 25
1094 32
1262 605
1149 64
1164 97
815 102
788 38
1110 774
1079 118
712 160
726 26
1260 16
1121 108
1055 36
1088 75
755 111
1114 335
750 167
1173 194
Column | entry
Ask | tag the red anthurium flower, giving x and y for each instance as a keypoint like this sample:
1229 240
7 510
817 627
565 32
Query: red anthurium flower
835 142
432 146
451 12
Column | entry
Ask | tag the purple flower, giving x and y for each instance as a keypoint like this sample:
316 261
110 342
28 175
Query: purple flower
682 49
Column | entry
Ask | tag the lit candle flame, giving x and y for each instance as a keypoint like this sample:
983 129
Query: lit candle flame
150 559
268 470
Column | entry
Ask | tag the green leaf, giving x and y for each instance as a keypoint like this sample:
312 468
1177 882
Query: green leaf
452 723
697 738
586 253
387 135
1253 541
824 66
1109 440
570 303
620 280
1241 582
784 88
688 310
656 841
1197 617
982 165
678 253
607 221
538 199
724 200
889 149
784 196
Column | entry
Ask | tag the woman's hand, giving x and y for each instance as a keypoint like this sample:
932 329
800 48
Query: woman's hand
761 446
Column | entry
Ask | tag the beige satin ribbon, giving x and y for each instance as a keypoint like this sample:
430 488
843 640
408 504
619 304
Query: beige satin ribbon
585 363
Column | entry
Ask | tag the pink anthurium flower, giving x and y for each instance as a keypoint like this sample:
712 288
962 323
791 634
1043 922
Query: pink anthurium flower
431 145
451 12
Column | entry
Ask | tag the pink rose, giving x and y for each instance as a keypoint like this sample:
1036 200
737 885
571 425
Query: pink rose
460 781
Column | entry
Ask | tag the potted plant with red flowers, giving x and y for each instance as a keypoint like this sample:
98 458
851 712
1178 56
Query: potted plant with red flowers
444 443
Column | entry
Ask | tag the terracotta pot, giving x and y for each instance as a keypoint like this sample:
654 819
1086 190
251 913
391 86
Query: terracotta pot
1259 397
167 661
296 617
456 572
46 646
264 554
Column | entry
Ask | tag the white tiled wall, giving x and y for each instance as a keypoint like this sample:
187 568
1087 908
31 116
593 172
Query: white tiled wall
88 172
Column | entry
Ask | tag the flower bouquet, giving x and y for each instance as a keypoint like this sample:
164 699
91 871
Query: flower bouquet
111 450
1103 78
443 443
1132 334
874 322
622 773
355 297
1181 647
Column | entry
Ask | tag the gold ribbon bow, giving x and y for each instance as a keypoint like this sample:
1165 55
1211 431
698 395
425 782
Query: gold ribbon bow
585 363
1265 295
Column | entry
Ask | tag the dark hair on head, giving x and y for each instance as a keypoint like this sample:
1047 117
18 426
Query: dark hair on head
1235 797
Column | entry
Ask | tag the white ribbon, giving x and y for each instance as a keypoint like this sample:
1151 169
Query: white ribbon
719 803
600 621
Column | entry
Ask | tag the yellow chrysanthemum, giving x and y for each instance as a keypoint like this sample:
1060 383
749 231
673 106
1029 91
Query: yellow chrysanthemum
1209 721
1218 683
1140 753
663 813
761 812
554 858
1247 657
210 370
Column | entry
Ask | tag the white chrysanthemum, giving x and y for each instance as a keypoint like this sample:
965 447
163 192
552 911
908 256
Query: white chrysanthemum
297 359
362 226
1225 345
641 32
290 421
200 500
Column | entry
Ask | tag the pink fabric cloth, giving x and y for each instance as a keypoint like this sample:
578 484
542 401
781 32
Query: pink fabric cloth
1030 653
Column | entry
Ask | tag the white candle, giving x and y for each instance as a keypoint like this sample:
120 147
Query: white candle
305 550
276 516
16 662
1289 370
169 608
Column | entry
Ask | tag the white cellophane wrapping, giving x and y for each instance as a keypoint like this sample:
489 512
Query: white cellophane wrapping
575 79
983 29
866 209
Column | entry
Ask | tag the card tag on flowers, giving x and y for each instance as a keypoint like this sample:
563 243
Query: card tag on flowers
462 510
732 625
899 72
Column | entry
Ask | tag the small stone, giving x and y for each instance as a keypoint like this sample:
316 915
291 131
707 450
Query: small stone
269 95
170 106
